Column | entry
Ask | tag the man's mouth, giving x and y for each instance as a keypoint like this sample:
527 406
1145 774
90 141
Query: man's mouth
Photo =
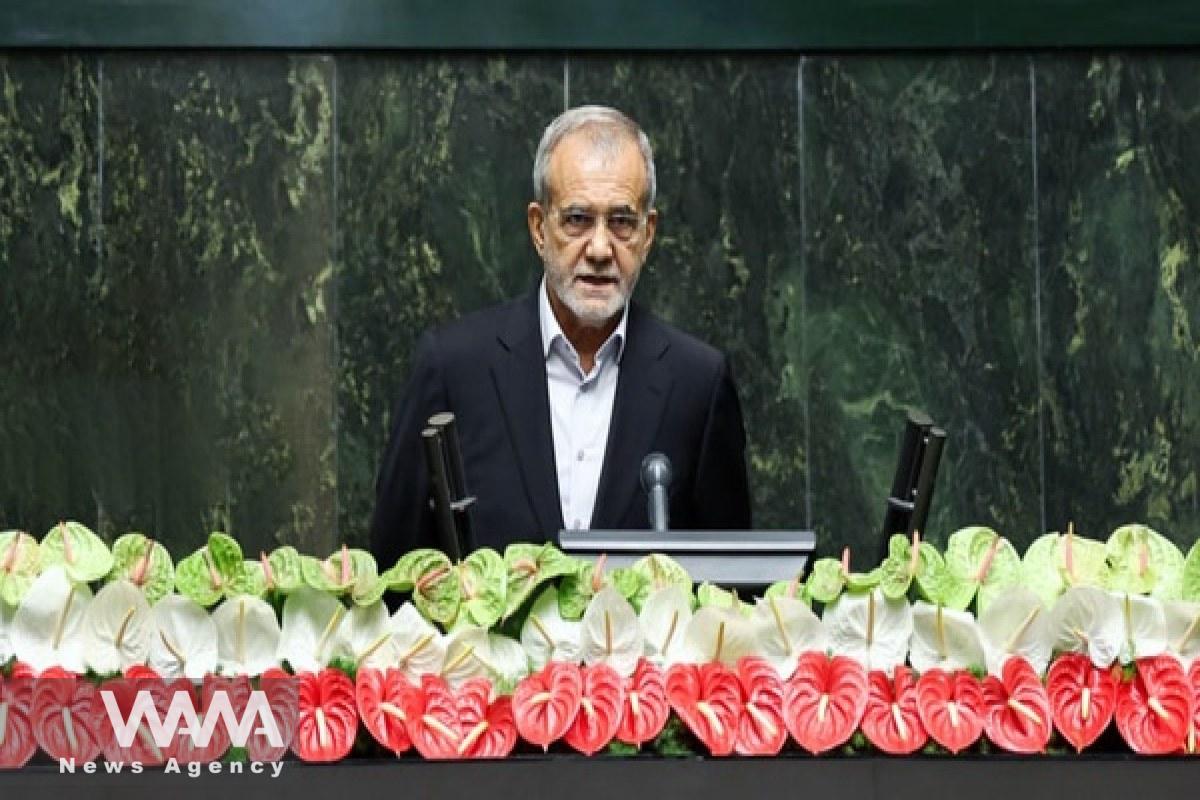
597 280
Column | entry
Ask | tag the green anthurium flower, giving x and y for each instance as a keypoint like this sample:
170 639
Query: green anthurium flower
145 563
826 580
937 584
83 554
340 571
208 574
984 560
1143 561
1190 580
405 573
283 570
529 567
20 563
483 586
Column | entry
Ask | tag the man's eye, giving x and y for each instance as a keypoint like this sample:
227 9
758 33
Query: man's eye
622 223
577 219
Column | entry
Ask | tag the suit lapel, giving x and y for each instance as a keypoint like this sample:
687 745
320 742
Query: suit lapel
643 386
519 373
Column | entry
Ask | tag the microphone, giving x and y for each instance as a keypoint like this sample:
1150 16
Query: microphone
656 477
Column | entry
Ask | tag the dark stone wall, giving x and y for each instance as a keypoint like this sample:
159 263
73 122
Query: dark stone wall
214 267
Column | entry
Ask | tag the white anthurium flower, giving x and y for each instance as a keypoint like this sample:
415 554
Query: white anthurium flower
314 630
944 638
1016 624
869 628
47 628
1144 624
508 662
421 650
118 628
610 633
369 634
664 618
786 628
468 655
1183 630
248 636
1087 620
185 643
719 634
7 613
546 636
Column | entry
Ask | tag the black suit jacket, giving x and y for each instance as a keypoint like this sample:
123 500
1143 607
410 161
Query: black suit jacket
674 394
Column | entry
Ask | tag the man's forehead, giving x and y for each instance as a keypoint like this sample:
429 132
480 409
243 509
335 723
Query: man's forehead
581 164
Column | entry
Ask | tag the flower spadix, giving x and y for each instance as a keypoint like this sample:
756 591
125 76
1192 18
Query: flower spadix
313 630
944 639
610 632
718 634
869 628
546 636
664 618
786 627
1016 624
1145 625
248 636
419 646
368 634
118 628
48 625
184 644
1183 630
1087 620
468 655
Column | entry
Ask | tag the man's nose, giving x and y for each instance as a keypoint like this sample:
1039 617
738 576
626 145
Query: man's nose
599 243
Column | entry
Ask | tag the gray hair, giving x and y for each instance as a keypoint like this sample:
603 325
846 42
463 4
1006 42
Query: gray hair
608 129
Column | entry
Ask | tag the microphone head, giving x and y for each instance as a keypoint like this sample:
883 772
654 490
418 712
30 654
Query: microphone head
656 471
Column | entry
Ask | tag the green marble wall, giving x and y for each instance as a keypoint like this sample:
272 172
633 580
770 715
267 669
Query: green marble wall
214 267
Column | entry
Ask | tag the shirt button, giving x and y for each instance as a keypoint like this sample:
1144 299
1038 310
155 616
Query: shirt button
579 456
578 525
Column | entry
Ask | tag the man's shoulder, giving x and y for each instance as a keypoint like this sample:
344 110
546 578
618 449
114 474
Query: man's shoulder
467 332
684 346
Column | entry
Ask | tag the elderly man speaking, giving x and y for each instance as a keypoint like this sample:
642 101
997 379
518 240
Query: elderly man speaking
560 394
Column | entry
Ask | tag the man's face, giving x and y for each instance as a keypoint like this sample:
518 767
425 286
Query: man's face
594 236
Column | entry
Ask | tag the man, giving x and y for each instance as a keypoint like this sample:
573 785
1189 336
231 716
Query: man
560 394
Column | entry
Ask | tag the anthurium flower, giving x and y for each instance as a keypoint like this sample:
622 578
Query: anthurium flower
891 720
1087 620
721 635
708 698
1055 562
506 662
83 555
328 717
421 648
69 720
48 627
20 562
468 656
951 707
786 628
1144 561
184 644
368 634
1015 624
146 564
1145 625
870 629
381 696
943 638
664 617
314 630
600 708
646 708
248 636
545 704
124 691
17 740
1155 709
118 628
761 729
283 699
1016 715
824 700
1082 698
546 636
980 557
610 632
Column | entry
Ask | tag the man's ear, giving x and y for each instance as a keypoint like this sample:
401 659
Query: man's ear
651 227
536 218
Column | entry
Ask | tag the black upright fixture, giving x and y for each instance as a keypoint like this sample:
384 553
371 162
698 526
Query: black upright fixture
907 509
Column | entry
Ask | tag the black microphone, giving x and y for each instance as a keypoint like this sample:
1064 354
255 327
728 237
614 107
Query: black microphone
656 477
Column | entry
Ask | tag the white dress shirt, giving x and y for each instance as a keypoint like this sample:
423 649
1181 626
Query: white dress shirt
580 411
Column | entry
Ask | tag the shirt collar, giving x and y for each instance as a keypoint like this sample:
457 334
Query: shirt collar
552 331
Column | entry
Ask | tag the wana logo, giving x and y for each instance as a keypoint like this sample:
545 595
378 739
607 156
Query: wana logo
220 710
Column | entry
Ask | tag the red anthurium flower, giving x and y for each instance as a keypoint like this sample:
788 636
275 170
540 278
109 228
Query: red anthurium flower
69 720
487 728
1190 744
282 692
17 742
951 708
1082 698
379 695
328 719
545 704
1016 713
646 708
761 729
891 720
236 690
431 716
708 698
824 700
1155 708
599 710
125 692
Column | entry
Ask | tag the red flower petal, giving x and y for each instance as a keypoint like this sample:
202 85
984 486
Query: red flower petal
124 692
761 728
824 701
708 698
282 692
1016 713
488 729
599 710
545 704
431 713
951 708
328 719
1190 744
17 742
380 697
1082 698
646 709
1155 709
891 720
69 720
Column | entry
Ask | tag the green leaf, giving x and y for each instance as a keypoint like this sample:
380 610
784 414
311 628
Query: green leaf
145 563
530 566
285 569
939 585
632 585
195 578
483 584
1143 561
826 581
83 554
226 555
20 563
250 581
1190 582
